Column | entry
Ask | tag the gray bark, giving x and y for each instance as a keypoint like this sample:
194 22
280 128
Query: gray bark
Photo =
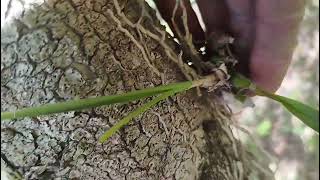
59 50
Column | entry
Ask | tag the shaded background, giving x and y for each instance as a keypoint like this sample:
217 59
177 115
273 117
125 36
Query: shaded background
294 146
291 150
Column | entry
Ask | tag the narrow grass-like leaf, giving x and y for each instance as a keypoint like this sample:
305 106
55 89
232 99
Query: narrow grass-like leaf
126 120
80 104
307 114
134 114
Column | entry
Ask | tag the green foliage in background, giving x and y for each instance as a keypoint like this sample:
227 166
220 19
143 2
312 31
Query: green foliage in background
264 128
307 114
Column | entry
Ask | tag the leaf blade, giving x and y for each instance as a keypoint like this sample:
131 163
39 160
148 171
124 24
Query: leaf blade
126 120
239 81
80 104
307 114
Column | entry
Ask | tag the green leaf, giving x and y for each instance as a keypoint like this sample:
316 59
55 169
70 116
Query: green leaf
240 82
134 114
307 114
126 120
75 105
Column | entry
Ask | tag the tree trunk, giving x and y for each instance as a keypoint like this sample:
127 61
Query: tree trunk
59 50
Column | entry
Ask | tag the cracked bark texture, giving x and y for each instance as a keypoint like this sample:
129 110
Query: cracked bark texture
53 51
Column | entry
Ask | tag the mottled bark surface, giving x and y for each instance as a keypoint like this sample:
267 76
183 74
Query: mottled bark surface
59 50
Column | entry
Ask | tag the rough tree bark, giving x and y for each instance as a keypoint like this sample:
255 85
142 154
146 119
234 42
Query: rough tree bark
58 50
